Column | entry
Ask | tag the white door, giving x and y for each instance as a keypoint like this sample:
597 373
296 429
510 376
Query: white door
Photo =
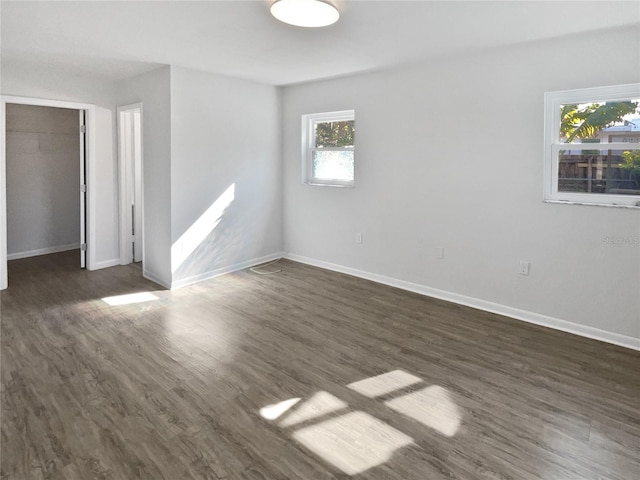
131 190
137 185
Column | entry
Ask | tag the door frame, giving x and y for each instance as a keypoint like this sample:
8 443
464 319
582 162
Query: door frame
90 179
125 167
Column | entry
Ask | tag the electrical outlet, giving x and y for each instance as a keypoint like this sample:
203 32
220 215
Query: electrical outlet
358 238
524 268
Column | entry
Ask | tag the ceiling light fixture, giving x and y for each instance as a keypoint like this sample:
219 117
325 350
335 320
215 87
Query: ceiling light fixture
305 13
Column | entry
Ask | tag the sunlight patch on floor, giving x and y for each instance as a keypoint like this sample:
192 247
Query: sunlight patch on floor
130 299
203 335
275 411
354 442
384 384
321 403
431 406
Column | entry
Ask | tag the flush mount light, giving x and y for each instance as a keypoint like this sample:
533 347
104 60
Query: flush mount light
305 13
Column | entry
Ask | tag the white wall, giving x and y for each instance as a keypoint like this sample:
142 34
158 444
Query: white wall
430 173
43 180
153 91
48 82
225 137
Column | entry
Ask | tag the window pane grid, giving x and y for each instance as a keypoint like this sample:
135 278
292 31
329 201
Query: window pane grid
328 152
592 146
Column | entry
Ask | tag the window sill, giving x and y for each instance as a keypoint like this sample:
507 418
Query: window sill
329 185
589 204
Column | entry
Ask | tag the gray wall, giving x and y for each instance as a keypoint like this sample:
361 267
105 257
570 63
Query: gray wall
153 90
450 154
225 137
43 180
204 135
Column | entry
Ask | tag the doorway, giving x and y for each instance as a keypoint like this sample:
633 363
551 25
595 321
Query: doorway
131 184
86 136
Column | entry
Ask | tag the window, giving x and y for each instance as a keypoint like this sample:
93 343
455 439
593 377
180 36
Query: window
328 148
592 146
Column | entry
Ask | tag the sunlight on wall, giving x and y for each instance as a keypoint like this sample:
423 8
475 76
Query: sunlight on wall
385 383
130 298
431 406
201 228
321 403
275 411
354 442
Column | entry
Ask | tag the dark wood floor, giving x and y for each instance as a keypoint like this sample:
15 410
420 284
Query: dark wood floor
304 374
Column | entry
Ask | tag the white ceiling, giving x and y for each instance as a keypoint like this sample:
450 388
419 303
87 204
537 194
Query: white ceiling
239 38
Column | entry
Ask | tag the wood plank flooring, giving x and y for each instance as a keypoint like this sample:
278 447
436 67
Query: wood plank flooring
304 374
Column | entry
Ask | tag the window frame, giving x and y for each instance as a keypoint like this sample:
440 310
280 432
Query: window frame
309 122
552 145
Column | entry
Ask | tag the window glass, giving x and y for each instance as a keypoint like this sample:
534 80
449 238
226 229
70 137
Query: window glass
334 134
333 165
595 121
600 171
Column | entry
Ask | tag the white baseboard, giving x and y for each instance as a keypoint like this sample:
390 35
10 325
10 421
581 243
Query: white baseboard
155 278
43 251
105 264
221 271
526 316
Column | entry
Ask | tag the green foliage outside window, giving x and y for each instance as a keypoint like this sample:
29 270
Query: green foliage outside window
631 163
335 134
585 121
